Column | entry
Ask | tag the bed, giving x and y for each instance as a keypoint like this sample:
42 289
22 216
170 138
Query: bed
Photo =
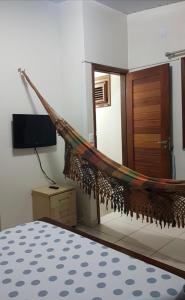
47 260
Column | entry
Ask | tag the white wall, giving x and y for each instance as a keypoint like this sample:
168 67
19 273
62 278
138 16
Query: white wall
77 99
47 40
29 39
89 32
50 41
105 32
71 56
105 42
151 33
108 124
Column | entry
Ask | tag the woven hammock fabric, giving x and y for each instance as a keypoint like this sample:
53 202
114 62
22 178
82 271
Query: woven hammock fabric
159 200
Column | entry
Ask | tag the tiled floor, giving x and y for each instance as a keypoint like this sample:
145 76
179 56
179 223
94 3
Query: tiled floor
166 245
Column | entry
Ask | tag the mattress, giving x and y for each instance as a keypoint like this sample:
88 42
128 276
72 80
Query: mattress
39 260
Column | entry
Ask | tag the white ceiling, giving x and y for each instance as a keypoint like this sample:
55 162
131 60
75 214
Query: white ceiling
131 6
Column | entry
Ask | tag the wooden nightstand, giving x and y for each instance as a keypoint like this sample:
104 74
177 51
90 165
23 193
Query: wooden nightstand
57 204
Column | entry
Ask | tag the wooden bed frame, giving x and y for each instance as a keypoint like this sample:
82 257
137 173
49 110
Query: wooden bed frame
141 257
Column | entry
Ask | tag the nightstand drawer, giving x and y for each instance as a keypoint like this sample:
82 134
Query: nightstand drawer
62 199
68 220
59 205
63 211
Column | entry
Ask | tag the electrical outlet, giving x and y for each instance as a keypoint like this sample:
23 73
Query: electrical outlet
91 138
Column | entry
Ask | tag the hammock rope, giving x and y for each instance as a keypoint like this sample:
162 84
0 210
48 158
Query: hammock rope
159 200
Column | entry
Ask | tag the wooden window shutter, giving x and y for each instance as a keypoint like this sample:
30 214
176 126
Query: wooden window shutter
102 91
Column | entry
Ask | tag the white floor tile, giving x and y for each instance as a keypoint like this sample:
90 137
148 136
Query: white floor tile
166 244
109 217
139 223
124 218
175 250
116 228
144 240
131 244
105 228
98 234
182 236
171 231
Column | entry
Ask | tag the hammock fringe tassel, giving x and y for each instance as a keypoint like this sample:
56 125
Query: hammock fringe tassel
154 199
151 207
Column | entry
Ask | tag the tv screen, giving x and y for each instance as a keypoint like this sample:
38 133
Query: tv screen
31 131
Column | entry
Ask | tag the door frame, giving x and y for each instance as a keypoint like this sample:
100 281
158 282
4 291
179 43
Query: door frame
122 73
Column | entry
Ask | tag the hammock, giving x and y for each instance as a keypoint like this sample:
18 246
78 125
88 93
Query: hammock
159 200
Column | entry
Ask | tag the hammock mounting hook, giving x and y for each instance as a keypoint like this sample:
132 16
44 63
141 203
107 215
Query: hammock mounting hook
20 70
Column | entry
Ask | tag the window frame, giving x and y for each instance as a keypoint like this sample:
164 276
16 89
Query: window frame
103 81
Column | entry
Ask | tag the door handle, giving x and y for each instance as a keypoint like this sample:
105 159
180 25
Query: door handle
164 142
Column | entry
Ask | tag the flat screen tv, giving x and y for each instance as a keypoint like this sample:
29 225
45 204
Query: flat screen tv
31 131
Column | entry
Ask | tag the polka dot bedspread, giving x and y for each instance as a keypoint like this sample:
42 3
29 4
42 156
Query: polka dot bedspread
42 261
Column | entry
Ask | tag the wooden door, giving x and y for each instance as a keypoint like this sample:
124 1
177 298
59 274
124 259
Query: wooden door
148 121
